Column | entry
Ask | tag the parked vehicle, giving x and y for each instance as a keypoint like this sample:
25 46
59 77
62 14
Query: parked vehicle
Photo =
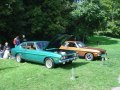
44 52
89 53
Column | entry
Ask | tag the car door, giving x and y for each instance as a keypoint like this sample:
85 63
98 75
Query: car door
32 53
23 50
75 47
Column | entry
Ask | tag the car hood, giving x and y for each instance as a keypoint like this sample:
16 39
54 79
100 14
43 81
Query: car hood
58 40
95 49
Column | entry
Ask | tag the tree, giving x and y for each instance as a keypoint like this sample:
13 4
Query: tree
87 18
11 18
41 18
113 17
46 18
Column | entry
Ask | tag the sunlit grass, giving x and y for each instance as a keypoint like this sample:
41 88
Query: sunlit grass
90 75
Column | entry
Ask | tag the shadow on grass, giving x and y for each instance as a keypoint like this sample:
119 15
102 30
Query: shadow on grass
64 66
6 68
33 63
73 65
101 40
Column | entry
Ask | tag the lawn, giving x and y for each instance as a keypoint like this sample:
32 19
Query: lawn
90 75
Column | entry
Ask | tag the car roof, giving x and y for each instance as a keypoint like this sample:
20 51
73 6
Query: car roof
34 41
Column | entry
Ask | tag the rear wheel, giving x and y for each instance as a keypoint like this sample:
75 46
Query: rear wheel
49 63
89 56
18 58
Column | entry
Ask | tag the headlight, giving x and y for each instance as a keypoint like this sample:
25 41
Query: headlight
63 53
63 57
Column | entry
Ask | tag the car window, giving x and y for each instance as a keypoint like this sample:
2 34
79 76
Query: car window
31 46
42 44
71 44
65 44
81 44
23 45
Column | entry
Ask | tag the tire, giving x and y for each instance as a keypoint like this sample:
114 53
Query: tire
49 63
89 56
18 58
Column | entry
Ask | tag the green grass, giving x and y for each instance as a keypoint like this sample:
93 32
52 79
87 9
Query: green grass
90 75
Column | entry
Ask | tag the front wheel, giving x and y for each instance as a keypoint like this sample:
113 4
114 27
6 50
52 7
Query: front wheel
18 58
89 56
49 63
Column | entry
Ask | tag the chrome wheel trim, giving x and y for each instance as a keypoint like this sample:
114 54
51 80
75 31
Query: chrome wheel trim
18 58
49 63
89 56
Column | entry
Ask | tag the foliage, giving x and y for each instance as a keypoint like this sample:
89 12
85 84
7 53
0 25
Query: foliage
91 16
48 18
42 18
11 18
87 17
113 17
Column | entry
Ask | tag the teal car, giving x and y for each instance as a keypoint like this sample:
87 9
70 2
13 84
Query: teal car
44 52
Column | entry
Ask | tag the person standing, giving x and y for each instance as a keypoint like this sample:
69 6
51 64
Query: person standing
1 51
16 41
23 38
6 51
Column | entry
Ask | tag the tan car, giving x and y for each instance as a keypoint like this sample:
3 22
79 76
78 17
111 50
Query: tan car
89 53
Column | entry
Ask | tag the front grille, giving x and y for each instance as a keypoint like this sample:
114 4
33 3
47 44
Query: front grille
70 56
67 57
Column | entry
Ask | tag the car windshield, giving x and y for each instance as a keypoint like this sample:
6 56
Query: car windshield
42 44
80 44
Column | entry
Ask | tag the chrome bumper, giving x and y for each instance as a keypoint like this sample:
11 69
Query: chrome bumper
67 60
104 56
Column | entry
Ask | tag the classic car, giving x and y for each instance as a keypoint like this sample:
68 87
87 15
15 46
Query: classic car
44 52
89 53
